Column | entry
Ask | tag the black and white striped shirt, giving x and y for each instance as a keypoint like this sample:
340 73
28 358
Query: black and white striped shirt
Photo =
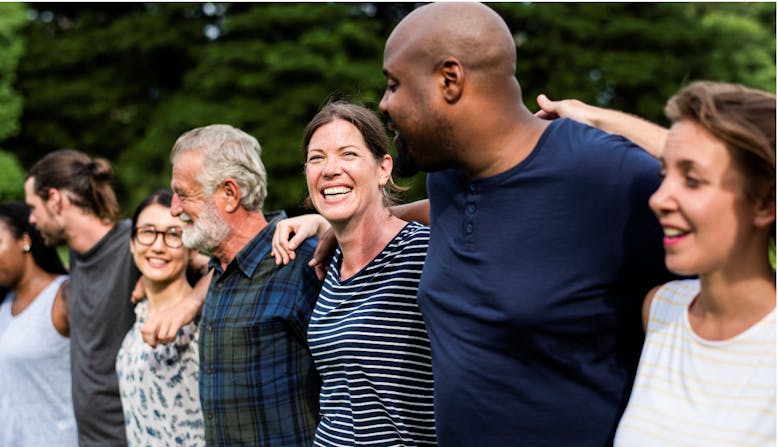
371 349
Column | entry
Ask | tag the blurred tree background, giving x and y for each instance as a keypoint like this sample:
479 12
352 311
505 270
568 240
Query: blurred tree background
123 80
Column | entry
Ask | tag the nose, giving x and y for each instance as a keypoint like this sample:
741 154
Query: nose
383 105
175 206
159 242
331 167
662 201
31 219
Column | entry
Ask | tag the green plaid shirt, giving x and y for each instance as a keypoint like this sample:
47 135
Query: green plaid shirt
258 382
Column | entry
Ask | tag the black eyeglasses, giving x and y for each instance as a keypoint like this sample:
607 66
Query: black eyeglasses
147 235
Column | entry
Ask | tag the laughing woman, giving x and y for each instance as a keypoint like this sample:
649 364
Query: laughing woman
707 371
159 386
366 333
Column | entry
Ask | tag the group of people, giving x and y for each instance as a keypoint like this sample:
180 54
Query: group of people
505 309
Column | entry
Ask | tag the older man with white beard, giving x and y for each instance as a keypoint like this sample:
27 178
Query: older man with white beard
258 383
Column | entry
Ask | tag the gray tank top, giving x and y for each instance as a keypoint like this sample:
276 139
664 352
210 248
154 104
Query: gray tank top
35 399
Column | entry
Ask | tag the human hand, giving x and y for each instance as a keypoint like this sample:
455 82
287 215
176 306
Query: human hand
162 326
322 255
566 108
138 292
302 227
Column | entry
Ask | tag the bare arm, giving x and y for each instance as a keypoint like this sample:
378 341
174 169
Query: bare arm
645 134
418 211
647 306
162 326
291 232
60 315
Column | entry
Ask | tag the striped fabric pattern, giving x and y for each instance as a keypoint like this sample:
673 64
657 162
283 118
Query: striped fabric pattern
370 346
695 392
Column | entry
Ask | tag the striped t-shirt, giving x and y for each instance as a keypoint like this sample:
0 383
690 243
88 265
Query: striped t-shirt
695 392
371 349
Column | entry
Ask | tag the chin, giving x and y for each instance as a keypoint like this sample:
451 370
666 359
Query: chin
681 267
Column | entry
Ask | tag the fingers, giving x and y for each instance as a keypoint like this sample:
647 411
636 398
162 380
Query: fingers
149 332
159 330
138 292
280 240
548 110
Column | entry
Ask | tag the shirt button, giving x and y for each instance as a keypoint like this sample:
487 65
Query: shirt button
471 208
208 370
209 414
468 228
210 328
471 188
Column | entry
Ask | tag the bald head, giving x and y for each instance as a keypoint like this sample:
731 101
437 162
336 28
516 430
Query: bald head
470 32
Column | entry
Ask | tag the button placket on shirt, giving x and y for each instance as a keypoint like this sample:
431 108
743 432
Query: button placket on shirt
471 207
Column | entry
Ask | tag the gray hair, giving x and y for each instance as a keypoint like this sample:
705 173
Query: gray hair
228 152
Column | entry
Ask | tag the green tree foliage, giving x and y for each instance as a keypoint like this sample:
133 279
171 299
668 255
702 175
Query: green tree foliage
11 179
11 46
124 80
634 56
12 18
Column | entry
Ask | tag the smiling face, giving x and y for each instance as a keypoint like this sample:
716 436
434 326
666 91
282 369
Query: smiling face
158 262
344 178
204 228
701 203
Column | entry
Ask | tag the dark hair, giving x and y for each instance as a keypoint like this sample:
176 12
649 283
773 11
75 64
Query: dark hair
87 181
369 126
16 216
162 197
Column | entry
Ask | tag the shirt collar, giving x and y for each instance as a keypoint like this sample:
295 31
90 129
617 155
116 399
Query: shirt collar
249 257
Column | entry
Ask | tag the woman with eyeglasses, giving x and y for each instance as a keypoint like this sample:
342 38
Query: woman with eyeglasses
159 386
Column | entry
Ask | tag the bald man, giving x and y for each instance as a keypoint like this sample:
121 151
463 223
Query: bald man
542 244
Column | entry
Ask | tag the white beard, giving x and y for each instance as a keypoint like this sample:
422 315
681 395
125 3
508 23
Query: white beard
208 232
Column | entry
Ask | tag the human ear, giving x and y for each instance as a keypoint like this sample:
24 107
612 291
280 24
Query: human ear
386 170
453 75
764 207
231 194
55 199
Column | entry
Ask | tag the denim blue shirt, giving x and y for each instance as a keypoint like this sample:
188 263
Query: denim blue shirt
258 382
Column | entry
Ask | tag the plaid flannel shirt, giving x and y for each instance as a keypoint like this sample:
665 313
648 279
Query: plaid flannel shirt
258 382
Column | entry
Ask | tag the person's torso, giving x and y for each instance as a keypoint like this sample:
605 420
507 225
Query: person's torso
371 348
695 392
159 387
101 313
532 288
35 398
258 383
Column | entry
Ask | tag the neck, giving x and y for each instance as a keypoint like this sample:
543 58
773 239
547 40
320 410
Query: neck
84 230
503 143
162 295
244 226
732 301
32 283
362 238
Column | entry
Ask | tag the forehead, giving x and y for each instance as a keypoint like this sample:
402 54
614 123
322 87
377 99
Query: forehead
689 141
336 134
186 168
158 215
